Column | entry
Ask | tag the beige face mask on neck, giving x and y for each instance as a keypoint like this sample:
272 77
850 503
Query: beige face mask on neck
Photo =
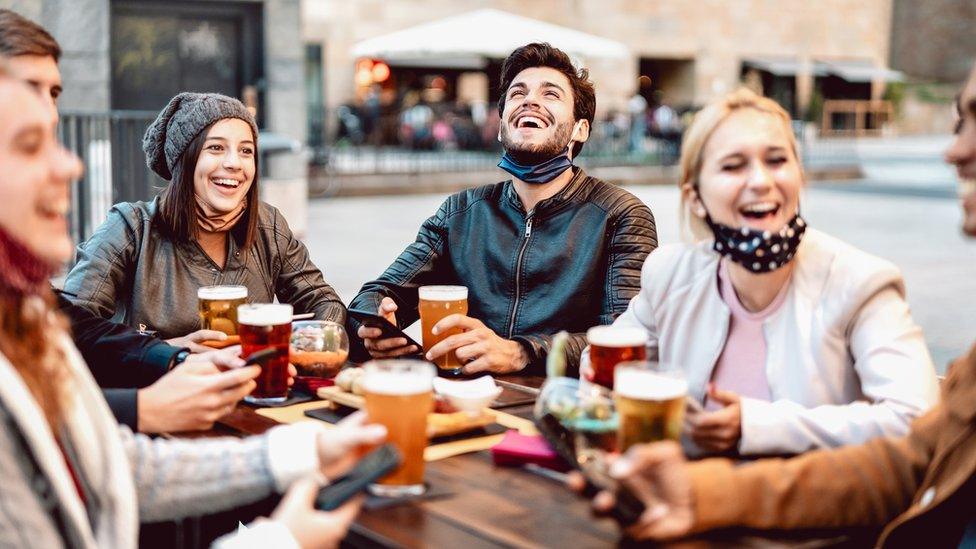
212 221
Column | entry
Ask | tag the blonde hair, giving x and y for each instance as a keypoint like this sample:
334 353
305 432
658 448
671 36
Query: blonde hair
696 136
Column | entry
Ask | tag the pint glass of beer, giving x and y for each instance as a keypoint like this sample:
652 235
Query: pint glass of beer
437 302
611 345
399 395
263 326
650 401
218 307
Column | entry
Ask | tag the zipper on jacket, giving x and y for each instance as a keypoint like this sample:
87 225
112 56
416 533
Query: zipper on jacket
518 272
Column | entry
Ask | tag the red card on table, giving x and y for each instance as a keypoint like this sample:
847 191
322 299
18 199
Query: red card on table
517 449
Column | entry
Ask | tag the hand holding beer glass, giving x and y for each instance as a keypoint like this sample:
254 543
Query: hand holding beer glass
436 303
650 399
399 394
267 326
611 345
218 307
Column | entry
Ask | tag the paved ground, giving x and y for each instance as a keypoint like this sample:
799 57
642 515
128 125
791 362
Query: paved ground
354 239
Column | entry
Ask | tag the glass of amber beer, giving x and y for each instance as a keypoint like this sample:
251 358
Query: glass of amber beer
263 326
611 345
437 302
399 395
218 307
650 399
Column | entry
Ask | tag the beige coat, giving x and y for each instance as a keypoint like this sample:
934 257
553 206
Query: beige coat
921 486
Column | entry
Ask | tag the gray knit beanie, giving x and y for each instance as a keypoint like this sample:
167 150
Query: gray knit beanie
181 120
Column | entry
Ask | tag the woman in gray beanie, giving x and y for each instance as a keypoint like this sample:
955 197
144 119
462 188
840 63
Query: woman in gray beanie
207 227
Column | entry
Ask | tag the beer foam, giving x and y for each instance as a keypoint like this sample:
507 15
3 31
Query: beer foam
397 383
443 293
642 384
616 336
264 314
222 292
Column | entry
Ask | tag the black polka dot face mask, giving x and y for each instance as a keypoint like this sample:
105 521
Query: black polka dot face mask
758 251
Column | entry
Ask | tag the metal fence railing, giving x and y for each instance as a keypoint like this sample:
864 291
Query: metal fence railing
110 146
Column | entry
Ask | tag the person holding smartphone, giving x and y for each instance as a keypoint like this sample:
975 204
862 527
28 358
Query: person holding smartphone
550 249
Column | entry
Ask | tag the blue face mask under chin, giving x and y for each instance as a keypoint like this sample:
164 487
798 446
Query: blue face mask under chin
537 173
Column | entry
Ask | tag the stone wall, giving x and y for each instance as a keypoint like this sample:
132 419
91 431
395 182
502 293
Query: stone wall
934 39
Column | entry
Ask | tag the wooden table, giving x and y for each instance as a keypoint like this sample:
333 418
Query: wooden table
493 506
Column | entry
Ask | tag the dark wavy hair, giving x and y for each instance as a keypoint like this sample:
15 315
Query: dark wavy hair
542 54
177 214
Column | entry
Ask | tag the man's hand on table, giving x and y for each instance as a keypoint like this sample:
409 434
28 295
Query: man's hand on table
478 347
657 475
192 340
385 348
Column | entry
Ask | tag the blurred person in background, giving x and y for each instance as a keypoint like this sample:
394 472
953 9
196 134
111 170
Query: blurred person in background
143 378
919 488
72 476
207 227
551 249
791 339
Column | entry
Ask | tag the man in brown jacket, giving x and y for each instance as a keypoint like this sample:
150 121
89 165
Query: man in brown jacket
920 488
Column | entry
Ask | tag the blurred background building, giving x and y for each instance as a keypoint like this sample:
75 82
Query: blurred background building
370 96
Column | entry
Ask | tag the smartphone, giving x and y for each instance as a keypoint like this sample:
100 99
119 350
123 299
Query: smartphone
372 467
388 329
262 356
628 508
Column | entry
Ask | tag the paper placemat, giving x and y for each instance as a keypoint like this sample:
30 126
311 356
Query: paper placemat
292 414
296 413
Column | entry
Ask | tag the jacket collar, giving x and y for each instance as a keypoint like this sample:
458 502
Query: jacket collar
554 203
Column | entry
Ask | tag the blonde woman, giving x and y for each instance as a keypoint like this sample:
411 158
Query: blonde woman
791 339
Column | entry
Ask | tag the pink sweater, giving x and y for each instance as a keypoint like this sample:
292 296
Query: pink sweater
741 367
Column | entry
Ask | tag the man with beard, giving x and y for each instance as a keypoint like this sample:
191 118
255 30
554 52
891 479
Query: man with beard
550 249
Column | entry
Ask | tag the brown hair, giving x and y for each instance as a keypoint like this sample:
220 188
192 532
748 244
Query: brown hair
544 55
697 135
177 214
29 332
21 36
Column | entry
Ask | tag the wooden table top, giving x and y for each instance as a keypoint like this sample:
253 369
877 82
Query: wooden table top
490 506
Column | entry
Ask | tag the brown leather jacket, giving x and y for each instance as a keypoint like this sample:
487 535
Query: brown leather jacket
129 271
921 488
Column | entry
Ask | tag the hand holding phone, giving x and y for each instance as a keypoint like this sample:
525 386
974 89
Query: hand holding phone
372 467
628 509
388 329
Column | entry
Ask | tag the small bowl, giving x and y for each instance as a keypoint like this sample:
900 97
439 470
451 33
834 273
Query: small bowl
319 348
470 396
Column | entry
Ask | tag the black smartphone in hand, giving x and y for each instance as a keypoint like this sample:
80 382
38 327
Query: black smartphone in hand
374 466
387 328
628 508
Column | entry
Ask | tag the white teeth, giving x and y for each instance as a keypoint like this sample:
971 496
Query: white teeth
535 120
967 186
759 207
226 182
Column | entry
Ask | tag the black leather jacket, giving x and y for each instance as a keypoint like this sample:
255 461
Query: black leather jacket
130 272
571 263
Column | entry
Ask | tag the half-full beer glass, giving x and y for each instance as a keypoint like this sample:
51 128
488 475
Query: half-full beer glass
264 326
650 399
399 395
218 307
611 345
437 302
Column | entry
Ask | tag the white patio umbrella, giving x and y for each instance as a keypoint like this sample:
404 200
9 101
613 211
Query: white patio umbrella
471 37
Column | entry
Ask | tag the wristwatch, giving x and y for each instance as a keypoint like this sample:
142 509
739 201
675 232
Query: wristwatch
179 358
